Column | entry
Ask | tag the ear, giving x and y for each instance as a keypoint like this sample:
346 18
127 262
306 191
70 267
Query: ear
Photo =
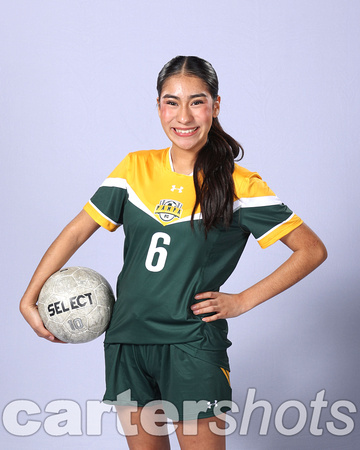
216 108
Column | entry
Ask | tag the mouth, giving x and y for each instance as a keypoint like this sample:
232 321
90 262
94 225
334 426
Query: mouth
185 131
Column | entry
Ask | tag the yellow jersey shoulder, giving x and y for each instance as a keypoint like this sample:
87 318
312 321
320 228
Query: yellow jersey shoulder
249 184
148 156
134 161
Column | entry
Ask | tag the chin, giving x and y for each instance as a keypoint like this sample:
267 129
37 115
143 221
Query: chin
190 146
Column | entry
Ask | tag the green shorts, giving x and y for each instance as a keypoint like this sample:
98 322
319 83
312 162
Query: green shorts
185 386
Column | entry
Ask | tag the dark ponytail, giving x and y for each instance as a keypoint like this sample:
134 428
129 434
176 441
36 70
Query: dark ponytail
214 166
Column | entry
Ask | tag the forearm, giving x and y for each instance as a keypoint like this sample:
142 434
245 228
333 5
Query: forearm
308 253
294 269
59 252
54 258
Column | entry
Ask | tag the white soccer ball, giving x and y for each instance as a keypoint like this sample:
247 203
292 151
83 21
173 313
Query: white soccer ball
75 304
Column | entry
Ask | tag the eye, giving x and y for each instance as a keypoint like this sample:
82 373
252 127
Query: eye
171 103
198 102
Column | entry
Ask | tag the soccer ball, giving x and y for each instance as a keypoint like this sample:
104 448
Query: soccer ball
75 304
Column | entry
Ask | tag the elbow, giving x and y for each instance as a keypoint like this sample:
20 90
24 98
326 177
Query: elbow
308 246
325 253
319 253
315 252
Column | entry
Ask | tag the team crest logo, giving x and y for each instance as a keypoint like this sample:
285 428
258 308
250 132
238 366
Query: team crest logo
168 210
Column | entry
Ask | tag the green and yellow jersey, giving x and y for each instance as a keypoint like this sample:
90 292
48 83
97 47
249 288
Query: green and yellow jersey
166 262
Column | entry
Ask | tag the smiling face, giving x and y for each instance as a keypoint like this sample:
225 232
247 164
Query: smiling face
186 111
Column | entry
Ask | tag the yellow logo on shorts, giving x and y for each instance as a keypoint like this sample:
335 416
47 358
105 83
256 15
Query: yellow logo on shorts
227 374
168 210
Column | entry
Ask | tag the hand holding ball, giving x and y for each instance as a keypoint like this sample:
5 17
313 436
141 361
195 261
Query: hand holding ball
75 304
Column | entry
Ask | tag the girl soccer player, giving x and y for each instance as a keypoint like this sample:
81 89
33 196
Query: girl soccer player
187 212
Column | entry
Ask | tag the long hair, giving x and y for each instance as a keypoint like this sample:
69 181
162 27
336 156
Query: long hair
214 166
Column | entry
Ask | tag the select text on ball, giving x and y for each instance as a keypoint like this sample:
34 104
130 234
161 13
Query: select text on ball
76 302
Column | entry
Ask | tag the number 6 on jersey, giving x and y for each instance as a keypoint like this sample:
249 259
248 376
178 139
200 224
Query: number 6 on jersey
156 256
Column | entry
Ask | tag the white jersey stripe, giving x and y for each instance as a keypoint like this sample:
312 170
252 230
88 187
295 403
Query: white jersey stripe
244 202
197 216
253 202
274 228
135 200
103 215
236 205
115 182
121 183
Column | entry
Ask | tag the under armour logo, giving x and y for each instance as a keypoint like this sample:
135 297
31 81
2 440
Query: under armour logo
210 405
180 189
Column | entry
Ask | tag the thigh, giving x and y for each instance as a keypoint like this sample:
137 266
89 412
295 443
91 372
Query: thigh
191 387
127 380
144 428
202 434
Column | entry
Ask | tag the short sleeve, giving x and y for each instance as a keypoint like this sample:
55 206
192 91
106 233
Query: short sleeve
262 213
106 206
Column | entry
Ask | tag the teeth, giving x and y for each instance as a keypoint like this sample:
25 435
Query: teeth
185 131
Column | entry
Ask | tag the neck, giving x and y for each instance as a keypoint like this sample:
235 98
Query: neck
182 162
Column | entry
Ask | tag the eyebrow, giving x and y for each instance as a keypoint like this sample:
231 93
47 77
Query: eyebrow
202 94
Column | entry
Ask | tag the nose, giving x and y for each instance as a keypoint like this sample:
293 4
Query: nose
184 115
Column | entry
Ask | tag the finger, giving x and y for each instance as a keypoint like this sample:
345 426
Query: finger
42 332
32 316
207 309
57 341
54 339
212 318
201 306
205 295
